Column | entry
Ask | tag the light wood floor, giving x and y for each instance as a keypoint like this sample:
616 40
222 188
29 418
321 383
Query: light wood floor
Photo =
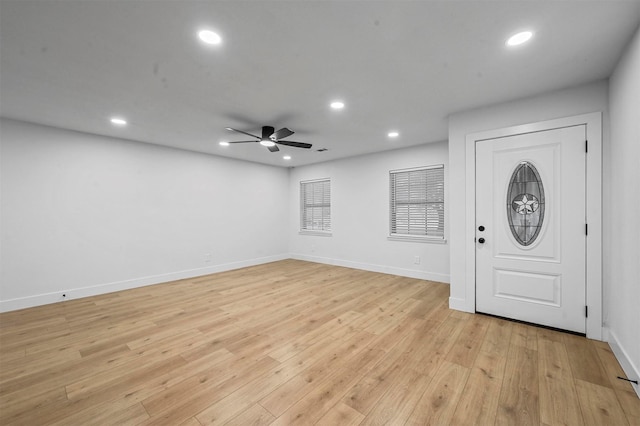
291 343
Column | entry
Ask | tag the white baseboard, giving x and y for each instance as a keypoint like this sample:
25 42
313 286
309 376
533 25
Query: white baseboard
411 273
76 293
630 369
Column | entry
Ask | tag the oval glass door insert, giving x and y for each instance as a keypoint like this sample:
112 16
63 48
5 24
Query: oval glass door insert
525 203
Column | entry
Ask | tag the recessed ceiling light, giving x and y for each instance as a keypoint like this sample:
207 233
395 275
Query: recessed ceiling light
337 105
287 157
224 143
118 121
393 134
209 37
519 38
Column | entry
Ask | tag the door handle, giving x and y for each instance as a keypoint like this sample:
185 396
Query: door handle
481 240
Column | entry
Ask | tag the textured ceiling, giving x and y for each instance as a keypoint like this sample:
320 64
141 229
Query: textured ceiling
397 65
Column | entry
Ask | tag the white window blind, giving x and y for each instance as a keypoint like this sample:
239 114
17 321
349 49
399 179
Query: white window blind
315 205
417 202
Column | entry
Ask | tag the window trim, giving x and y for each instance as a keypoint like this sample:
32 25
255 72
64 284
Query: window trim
415 238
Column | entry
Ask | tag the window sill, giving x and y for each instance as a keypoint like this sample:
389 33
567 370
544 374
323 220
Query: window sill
316 233
415 239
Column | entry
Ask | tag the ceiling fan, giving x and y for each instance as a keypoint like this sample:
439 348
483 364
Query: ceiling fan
271 137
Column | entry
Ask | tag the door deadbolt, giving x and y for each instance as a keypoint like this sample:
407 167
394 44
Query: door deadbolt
480 228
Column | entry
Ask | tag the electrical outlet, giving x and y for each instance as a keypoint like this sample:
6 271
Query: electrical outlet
313 248
416 260
207 258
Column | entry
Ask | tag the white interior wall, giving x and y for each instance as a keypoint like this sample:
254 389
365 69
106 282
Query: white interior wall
83 214
622 210
360 215
564 103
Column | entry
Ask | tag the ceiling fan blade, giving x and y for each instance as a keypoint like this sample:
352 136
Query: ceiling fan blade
267 132
242 141
244 133
283 133
295 144
273 148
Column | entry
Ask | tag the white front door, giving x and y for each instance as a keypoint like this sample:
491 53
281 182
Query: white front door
530 227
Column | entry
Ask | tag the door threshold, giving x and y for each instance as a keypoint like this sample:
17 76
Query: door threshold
575 333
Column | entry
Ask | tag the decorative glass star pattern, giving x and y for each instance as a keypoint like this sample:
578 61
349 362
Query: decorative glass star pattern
525 204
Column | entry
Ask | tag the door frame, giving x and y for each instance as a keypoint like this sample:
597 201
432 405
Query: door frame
593 123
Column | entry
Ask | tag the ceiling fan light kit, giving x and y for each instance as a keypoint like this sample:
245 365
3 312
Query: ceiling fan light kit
271 138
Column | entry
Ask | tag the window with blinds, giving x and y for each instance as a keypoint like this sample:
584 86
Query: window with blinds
315 205
417 202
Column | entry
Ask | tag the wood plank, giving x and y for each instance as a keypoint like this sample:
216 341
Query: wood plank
630 403
191 421
498 337
600 405
195 399
427 355
469 341
311 407
203 382
111 414
400 400
29 364
479 400
585 362
283 398
94 402
59 375
366 393
341 414
247 395
139 367
525 336
14 404
558 399
613 369
159 383
256 415
519 396
440 399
